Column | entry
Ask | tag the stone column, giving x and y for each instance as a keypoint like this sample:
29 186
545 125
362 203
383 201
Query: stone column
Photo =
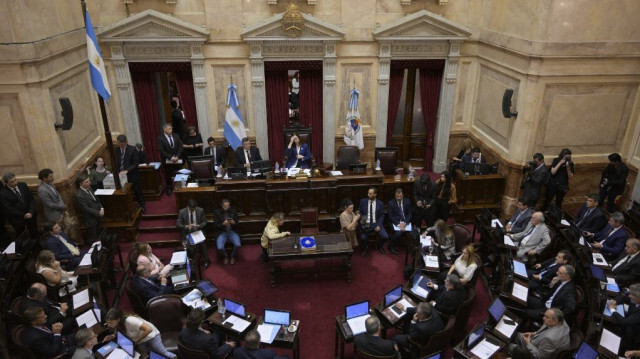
200 89
445 108
259 99
384 70
328 100
127 97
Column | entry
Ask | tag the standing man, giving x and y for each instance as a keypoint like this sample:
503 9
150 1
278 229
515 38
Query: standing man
52 202
192 219
424 196
612 182
400 215
590 218
247 154
18 204
372 220
562 170
225 223
177 118
170 147
91 207
217 152
537 174
128 159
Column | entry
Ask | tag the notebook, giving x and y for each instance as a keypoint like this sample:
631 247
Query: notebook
356 314
277 317
234 307
154 355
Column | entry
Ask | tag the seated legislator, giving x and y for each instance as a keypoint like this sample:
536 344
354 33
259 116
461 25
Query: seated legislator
371 343
533 239
192 219
144 334
297 153
225 224
448 296
85 340
562 295
42 341
18 204
400 215
520 218
551 338
148 259
56 312
443 238
424 196
590 218
543 273
252 350
611 239
420 323
630 322
474 157
349 222
372 220
195 337
465 265
247 154
192 143
62 248
217 152
49 267
90 206
148 288
626 268
445 196
271 232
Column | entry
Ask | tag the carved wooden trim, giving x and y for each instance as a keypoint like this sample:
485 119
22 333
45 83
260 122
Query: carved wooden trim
275 2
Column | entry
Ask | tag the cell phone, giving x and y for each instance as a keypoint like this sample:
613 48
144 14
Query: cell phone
509 321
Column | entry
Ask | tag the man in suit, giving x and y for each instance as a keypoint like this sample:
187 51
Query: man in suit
177 119
197 338
18 204
424 197
247 154
170 148
545 343
225 224
371 343
590 218
217 152
541 276
56 312
252 350
420 323
626 268
449 299
536 175
90 207
611 239
612 182
43 341
400 215
192 219
127 160
562 295
521 217
630 322
51 200
146 287
63 249
474 157
372 220
85 340
533 239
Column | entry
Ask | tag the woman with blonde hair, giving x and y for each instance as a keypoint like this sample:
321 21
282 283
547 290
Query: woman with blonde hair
467 145
443 239
271 232
148 259
49 267
465 266
143 333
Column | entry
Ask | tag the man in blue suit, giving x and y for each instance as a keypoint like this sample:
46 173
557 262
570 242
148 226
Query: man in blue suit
196 338
521 217
590 218
63 249
612 238
146 287
297 153
372 220
44 342
400 215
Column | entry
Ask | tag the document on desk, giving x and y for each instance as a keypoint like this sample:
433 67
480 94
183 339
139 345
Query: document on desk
495 223
104 192
357 324
11 248
519 291
336 173
86 260
238 324
268 332
599 260
95 245
169 162
196 237
192 185
506 329
425 241
406 229
185 171
81 298
508 241
178 258
484 349
610 341
405 304
431 261
155 165
121 354
87 319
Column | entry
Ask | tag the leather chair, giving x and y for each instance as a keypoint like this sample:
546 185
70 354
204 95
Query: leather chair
388 157
437 342
462 317
463 237
203 171
139 307
347 155
363 355
309 221
133 260
165 312
189 353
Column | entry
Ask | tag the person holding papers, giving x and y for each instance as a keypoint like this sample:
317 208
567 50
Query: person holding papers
143 333
148 259
590 218
562 295
192 219
62 247
17 202
195 337
225 224
533 239
521 218
56 312
371 342
42 341
271 232
148 288
371 220
85 339
128 160
421 323
170 147
544 272
611 239
630 322
90 206
50 268
443 238
551 338
400 215
626 269
465 265
252 350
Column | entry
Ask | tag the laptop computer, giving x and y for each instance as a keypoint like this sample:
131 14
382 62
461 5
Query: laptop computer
277 317
598 273
125 343
154 355
392 297
235 308
476 336
237 172
433 356
497 309
419 285
585 351
356 314
520 269
206 288
181 277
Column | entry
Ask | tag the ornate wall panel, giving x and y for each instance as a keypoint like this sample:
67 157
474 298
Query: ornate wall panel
222 77
16 152
361 74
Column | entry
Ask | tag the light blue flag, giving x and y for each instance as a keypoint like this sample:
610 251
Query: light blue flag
234 130
353 127
96 65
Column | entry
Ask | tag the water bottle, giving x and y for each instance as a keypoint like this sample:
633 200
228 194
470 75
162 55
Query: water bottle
277 167
377 163
412 172
221 308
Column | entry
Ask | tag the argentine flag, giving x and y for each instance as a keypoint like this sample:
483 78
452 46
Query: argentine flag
234 130
353 127
96 65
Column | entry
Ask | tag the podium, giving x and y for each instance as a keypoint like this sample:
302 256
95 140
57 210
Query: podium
121 214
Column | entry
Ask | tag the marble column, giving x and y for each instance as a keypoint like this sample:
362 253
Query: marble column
384 70
259 99
445 108
200 90
328 100
127 96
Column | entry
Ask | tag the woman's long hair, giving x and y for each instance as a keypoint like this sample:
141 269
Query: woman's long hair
445 187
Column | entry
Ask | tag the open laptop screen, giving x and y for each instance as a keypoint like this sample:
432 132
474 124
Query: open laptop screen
585 351
476 336
154 355
393 296
357 309
207 288
125 343
280 317
519 268
234 307
497 309
433 356
598 273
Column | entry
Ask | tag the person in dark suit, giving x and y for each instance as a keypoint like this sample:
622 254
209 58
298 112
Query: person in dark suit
400 215
590 218
612 182
90 207
297 153
521 217
630 322
562 295
536 175
561 170
225 224
448 300
17 202
474 157
42 340
543 273
424 197
142 157
170 148
146 287
626 268
371 343
192 219
56 312
218 153
62 248
177 118
611 239
372 220
196 338
252 349
128 159
247 154
420 323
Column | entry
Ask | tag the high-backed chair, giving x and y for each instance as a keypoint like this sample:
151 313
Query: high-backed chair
388 157
360 354
23 351
133 260
203 171
462 317
138 305
309 221
437 342
304 133
190 353
463 237
165 312
347 155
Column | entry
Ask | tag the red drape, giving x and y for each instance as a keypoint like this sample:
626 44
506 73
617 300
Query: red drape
311 107
430 81
184 82
395 90
277 90
147 112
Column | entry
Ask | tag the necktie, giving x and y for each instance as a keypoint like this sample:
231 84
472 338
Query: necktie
191 218
621 263
584 217
248 156
370 211
171 141
213 153
73 249
90 194
525 239
122 158
515 220
17 192
46 329
548 302
401 210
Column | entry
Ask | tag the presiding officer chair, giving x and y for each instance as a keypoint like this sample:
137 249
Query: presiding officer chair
304 133
347 155
388 157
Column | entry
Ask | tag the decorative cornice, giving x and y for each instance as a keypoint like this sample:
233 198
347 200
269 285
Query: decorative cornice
275 2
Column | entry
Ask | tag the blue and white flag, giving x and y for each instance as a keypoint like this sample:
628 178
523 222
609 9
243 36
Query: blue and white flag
353 127
96 65
234 130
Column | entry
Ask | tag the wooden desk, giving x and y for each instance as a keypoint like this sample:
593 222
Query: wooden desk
387 315
150 181
286 339
460 350
328 246
215 320
477 192
121 214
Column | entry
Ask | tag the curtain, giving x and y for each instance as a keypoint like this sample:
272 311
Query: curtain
430 81
277 89
147 112
311 107
395 90
184 82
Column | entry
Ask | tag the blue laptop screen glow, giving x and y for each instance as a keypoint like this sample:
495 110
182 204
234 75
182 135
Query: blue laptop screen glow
235 308
519 268
392 296
585 351
475 336
125 343
154 355
434 356
277 317
497 309
356 310
598 273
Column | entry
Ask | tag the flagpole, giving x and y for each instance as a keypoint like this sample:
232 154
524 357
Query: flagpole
105 121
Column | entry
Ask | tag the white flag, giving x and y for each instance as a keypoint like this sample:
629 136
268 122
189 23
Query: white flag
353 126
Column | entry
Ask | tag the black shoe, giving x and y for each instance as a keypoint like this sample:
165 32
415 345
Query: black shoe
392 250
206 264
381 250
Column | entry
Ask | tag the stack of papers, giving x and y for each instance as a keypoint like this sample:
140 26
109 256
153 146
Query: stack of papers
11 248
88 319
504 328
425 241
336 173
357 324
81 298
104 192
431 261
508 241
155 165
484 349
599 260
292 172
179 258
520 292
196 237
238 324
86 260
268 332
193 184
495 223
